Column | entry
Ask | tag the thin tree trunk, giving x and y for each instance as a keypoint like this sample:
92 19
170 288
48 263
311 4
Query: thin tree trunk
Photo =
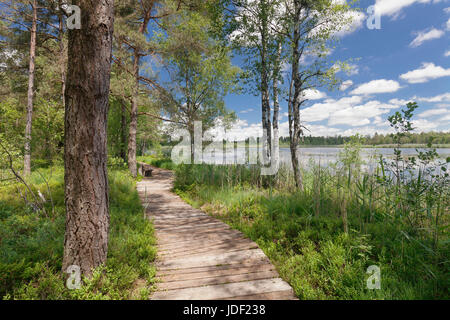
267 134
123 135
295 99
87 104
192 137
132 162
30 97
276 110
265 96
62 56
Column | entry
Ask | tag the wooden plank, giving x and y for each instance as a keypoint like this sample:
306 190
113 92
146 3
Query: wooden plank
198 230
194 234
180 242
212 251
216 272
183 221
191 226
198 243
228 247
212 260
250 264
223 291
278 295
217 280
229 234
200 257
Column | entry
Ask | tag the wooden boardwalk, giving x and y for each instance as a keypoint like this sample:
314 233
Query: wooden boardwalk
202 258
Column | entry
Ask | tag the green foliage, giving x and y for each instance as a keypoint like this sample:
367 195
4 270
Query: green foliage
200 70
350 156
158 161
31 245
303 232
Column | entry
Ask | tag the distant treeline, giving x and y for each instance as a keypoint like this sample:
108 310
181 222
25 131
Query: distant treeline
377 139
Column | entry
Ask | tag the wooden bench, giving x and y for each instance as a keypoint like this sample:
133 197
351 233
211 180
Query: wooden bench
144 169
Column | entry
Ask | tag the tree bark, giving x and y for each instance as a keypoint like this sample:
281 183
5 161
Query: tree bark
132 162
30 97
62 53
295 98
276 110
123 135
132 147
87 104
265 96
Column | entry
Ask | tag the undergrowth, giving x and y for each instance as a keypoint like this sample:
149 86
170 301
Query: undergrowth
31 243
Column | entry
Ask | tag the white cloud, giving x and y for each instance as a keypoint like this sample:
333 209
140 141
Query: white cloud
423 36
345 85
360 115
427 72
357 19
322 111
367 130
239 131
378 121
440 98
377 86
447 53
400 102
393 7
354 17
313 94
349 111
433 112
423 125
247 110
448 25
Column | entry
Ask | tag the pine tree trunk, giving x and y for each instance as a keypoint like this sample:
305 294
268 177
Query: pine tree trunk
132 162
132 144
123 135
87 104
62 57
30 97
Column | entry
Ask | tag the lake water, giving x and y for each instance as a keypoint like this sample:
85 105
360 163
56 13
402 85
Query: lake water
323 155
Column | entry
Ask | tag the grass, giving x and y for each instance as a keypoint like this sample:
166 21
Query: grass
304 232
160 162
31 243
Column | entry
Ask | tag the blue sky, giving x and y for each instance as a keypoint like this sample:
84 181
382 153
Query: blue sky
408 59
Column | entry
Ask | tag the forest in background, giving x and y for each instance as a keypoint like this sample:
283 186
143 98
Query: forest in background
423 138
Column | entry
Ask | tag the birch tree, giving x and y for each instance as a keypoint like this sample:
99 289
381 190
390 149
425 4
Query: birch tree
310 26
254 36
